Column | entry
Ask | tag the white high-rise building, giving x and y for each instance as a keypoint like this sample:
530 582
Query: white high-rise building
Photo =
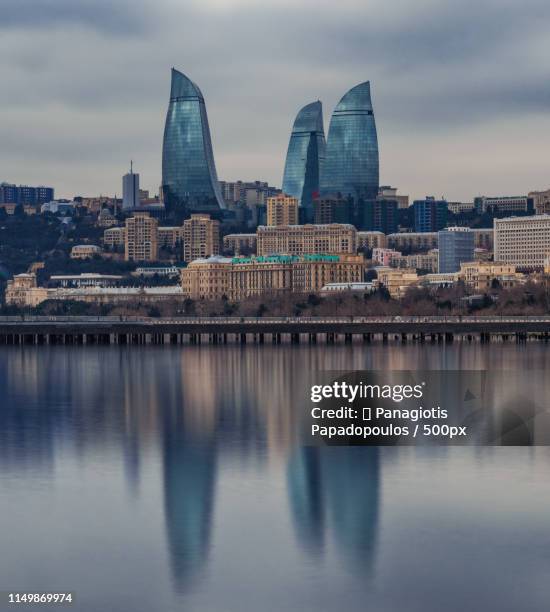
522 241
130 190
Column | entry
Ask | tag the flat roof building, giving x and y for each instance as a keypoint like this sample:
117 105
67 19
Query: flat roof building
522 241
242 277
282 209
201 237
302 239
456 246
85 251
239 244
140 238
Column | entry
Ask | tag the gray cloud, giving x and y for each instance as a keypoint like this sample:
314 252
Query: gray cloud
112 17
83 99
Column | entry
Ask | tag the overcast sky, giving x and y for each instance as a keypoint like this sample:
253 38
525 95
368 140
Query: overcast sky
461 89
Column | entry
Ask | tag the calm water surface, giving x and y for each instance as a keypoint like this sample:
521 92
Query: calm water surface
163 479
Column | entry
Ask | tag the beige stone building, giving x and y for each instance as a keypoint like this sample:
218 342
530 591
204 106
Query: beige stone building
522 241
303 239
397 281
239 278
141 238
479 275
106 218
22 290
371 240
415 241
439 279
237 244
169 237
114 237
420 261
282 209
32 296
96 203
201 237
85 251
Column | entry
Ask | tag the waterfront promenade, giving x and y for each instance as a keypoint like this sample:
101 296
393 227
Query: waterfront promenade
220 330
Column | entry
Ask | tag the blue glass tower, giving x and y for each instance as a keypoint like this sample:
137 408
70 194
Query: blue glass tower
456 246
189 177
430 215
305 156
351 164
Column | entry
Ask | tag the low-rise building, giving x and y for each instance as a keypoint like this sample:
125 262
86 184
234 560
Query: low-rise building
9 208
503 204
114 237
168 271
106 218
87 279
118 295
440 280
239 244
413 241
22 290
96 203
369 287
62 207
482 276
241 277
482 255
396 281
458 208
420 261
385 257
85 251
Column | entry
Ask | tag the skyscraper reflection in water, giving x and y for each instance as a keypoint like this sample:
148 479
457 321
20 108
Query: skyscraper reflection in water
175 473
334 493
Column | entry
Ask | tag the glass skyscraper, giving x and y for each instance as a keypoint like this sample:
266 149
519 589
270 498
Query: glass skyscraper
305 156
351 163
430 215
456 246
189 177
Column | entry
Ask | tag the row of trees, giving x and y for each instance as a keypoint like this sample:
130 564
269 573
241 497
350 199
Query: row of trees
529 299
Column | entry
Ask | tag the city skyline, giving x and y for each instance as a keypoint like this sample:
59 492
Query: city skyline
445 77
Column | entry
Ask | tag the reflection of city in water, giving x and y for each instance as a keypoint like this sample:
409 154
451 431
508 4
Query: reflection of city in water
206 415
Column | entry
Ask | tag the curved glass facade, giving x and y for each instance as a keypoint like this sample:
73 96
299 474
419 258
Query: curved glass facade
351 164
305 156
189 177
